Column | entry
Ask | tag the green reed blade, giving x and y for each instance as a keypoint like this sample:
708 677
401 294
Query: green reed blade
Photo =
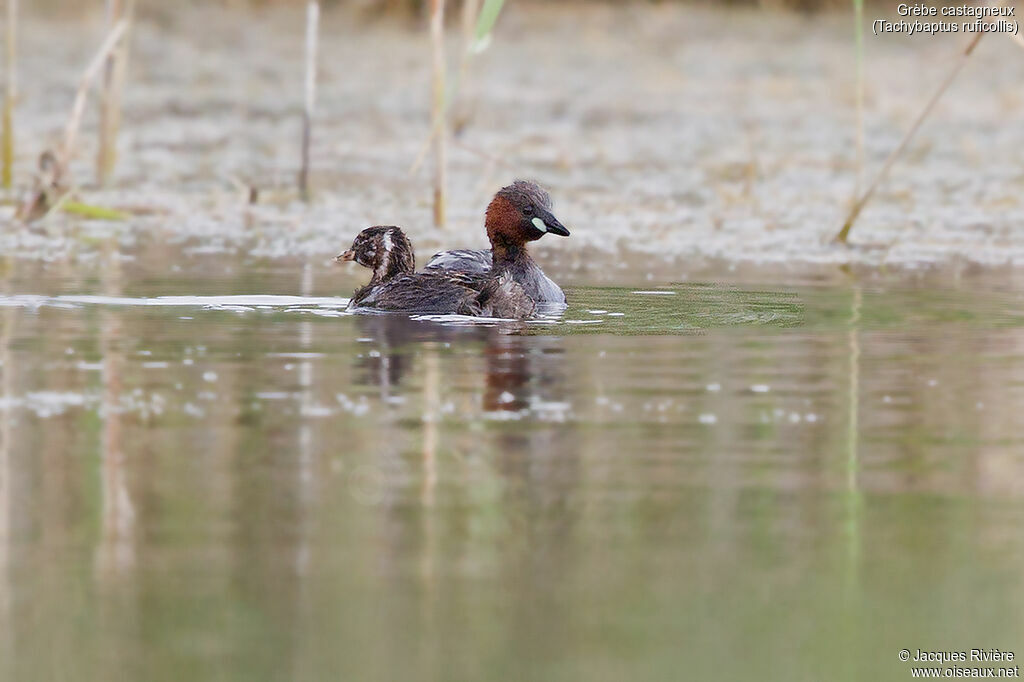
485 22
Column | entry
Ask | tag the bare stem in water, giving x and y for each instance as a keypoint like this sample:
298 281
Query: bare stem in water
887 166
110 99
10 92
312 22
438 111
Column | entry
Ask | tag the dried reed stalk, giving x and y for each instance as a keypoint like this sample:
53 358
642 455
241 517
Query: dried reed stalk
855 211
10 93
88 76
110 97
462 107
53 167
858 14
476 42
438 111
312 22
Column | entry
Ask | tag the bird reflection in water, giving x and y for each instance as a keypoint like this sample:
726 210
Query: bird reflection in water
398 339
520 371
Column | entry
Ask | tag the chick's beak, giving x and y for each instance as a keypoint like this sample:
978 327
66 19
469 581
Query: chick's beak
349 255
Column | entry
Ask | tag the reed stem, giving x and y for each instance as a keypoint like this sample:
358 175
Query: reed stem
106 154
10 93
438 112
312 23
462 91
470 11
477 39
113 88
858 14
88 76
50 187
855 211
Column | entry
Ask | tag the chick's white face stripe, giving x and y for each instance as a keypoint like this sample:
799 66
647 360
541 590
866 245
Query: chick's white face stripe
387 240
540 224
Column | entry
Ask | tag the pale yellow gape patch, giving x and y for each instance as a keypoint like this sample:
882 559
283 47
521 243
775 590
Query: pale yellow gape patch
540 224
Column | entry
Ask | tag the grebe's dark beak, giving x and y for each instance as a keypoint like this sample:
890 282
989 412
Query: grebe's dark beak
346 257
550 224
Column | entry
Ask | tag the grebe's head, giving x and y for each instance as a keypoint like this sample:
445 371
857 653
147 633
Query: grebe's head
384 249
521 213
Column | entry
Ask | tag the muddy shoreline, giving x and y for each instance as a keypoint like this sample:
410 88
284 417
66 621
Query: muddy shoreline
688 134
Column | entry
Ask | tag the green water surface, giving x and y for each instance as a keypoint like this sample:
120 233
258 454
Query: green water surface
721 482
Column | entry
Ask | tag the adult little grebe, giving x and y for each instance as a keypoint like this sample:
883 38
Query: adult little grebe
519 213
395 286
